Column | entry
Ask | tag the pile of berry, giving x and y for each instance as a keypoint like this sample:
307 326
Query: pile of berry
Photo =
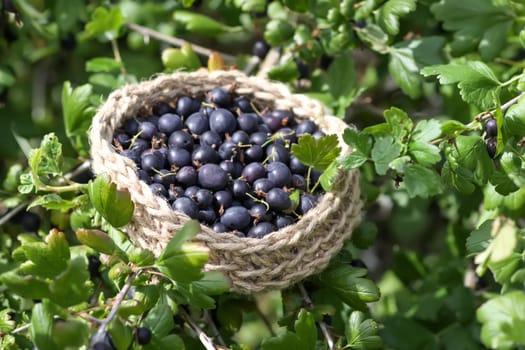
220 159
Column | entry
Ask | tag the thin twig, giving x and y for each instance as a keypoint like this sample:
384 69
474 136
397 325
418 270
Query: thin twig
118 57
265 320
21 329
322 325
9 215
203 337
214 328
252 64
271 59
114 309
176 41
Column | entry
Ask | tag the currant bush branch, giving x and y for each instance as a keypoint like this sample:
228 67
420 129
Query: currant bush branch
203 337
176 41
322 325
116 304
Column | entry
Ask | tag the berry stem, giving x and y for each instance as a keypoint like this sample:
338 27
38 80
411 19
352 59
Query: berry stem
60 189
322 325
118 57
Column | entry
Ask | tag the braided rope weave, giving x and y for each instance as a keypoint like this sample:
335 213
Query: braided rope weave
253 265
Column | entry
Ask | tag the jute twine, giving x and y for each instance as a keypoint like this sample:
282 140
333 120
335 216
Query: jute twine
276 261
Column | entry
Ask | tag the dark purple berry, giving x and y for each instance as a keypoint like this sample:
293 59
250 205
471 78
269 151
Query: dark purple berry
144 335
213 177
298 182
162 108
151 162
260 49
219 227
240 189
133 155
491 128
262 186
204 198
159 189
260 230
233 168
296 166
277 153
187 206
139 145
169 123
278 199
144 176
147 130
208 216
179 157
211 138
131 126
253 171
165 177
240 137
123 139
236 218
279 174
305 127
243 104
191 191
205 155
223 199
94 265
283 221
198 123
228 150
259 213
223 121
220 97
186 106
254 153
248 122
307 202
180 139
492 146
258 138
187 176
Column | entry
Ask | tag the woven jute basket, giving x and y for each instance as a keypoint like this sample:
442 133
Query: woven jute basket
253 265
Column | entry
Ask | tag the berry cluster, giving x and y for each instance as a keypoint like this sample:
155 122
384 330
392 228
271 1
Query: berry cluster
220 159
491 137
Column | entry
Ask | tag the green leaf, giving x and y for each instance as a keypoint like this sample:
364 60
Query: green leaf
278 32
46 260
514 121
364 235
6 78
212 283
306 330
396 330
179 59
420 181
388 14
105 24
6 323
199 24
286 72
476 81
374 36
341 75
361 333
47 159
502 319
78 113
187 232
113 204
361 144
480 238
408 57
68 13
121 334
476 25
504 269
297 5
384 151
399 123
451 128
70 333
28 287
185 264
42 326
52 201
284 341
350 285
103 64
159 319
71 287
318 154
329 176
97 240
